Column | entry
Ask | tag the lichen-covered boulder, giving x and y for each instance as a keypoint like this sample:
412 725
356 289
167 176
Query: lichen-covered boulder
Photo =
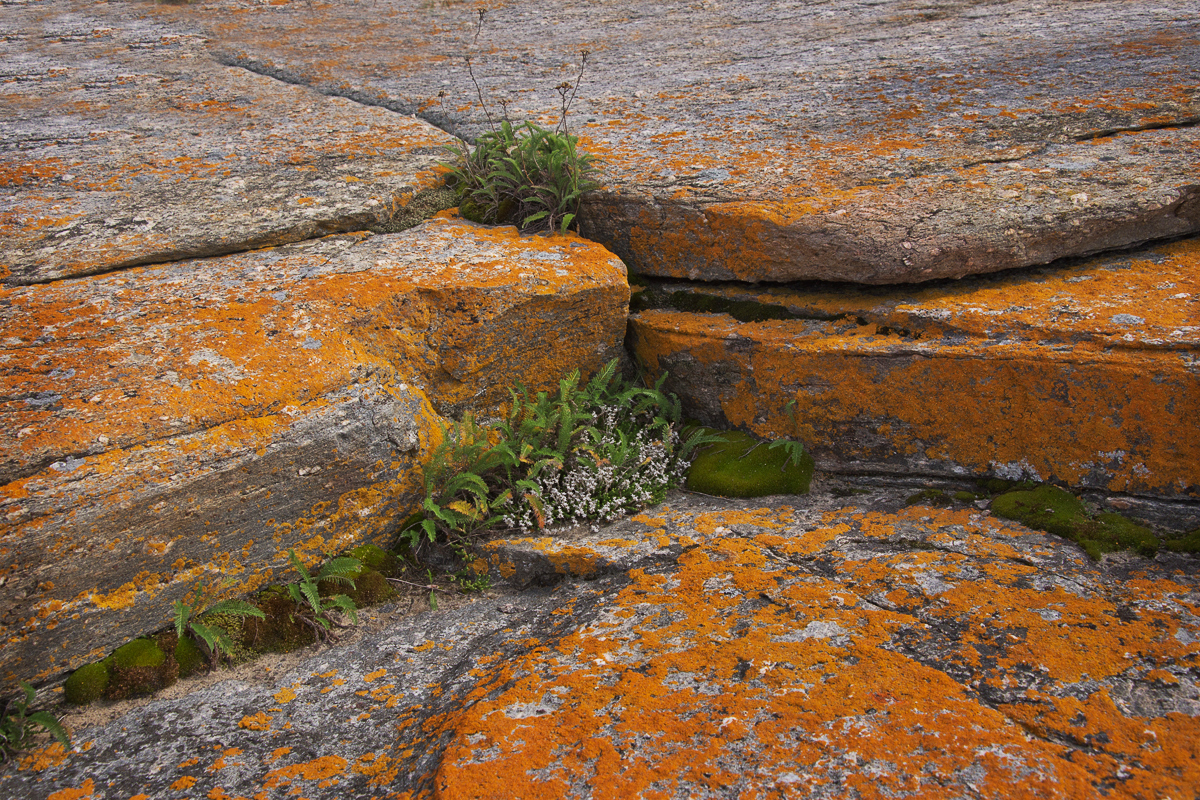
1086 375
768 141
126 144
171 425
830 647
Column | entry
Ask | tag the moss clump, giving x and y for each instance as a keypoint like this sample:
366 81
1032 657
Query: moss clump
742 466
140 667
86 684
378 559
1048 508
370 588
929 497
190 659
284 629
1189 543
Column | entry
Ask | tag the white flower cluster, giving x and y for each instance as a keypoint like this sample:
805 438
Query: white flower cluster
621 465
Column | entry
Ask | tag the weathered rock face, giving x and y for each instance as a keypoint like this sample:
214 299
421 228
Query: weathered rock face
763 141
1086 374
124 143
814 648
169 425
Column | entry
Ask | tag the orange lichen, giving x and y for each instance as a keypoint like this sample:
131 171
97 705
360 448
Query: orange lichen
319 769
256 722
83 792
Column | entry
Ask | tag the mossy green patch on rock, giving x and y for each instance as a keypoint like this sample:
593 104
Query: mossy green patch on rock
141 667
370 588
284 629
86 684
190 659
743 466
1051 509
1189 543
1046 508
378 559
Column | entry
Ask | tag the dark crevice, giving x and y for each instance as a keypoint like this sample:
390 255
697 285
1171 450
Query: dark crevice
440 121
352 223
1186 122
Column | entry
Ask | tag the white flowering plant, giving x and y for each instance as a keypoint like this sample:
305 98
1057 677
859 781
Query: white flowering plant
587 454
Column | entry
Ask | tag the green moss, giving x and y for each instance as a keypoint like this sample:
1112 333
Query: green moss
190 659
378 559
282 631
138 653
141 667
742 466
370 588
1048 508
929 497
1190 543
86 684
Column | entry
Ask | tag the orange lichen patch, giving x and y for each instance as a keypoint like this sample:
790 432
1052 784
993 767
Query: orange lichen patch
124 597
580 562
319 769
256 722
43 757
285 695
376 675
184 783
82 793
769 518
379 768
277 754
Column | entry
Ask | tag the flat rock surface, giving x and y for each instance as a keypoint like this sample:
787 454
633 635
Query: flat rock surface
167 424
769 141
791 647
1086 374
123 142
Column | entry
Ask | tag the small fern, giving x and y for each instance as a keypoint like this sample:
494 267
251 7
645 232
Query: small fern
215 639
314 609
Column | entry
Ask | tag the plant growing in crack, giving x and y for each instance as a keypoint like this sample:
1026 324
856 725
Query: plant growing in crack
215 639
313 609
590 453
18 725
524 173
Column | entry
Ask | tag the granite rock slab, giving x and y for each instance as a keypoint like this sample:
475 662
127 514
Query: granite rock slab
767 141
1085 374
169 426
122 142
808 646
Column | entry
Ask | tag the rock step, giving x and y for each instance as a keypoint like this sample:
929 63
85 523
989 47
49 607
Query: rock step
807 646
167 426
1085 374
